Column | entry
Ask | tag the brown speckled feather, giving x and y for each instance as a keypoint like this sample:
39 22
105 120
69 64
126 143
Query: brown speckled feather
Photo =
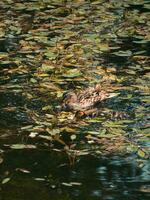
86 99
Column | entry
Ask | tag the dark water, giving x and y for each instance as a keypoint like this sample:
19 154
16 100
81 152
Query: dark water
48 48
100 178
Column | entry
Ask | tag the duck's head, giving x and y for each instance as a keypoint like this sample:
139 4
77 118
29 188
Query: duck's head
68 99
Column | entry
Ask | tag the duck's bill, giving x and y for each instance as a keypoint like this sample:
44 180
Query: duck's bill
113 95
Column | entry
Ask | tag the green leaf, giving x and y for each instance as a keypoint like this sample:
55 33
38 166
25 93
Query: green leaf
93 132
22 146
47 68
54 131
5 180
33 80
141 153
46 137
72 73
123 53
115 124
51 55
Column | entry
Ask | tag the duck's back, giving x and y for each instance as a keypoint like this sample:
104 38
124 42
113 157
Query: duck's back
85 99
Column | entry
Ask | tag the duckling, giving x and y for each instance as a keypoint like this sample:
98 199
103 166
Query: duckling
86 99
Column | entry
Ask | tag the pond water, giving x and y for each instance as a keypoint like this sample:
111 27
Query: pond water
48 48
112 177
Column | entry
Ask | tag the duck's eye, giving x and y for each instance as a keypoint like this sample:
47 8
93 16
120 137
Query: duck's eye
65 95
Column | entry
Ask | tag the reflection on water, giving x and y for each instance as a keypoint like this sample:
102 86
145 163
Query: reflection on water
45 175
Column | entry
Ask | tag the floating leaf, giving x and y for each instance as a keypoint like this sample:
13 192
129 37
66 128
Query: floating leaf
76 183
6 180
115 124
22 146
33 134
103 47
67 184
47 68
33 80
93 132
46 137
27 127
46 108
1 160
141 153
141 41
50 55
39 179
54 131
73 137
72 73
123 53
23 170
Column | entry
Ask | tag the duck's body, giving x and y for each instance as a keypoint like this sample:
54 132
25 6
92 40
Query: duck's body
85 100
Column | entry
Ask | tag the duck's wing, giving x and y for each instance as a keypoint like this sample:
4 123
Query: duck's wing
90 97
88 93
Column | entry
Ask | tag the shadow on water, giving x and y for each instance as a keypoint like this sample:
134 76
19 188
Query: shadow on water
14 114
45 175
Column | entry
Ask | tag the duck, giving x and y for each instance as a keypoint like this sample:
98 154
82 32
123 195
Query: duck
86 99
